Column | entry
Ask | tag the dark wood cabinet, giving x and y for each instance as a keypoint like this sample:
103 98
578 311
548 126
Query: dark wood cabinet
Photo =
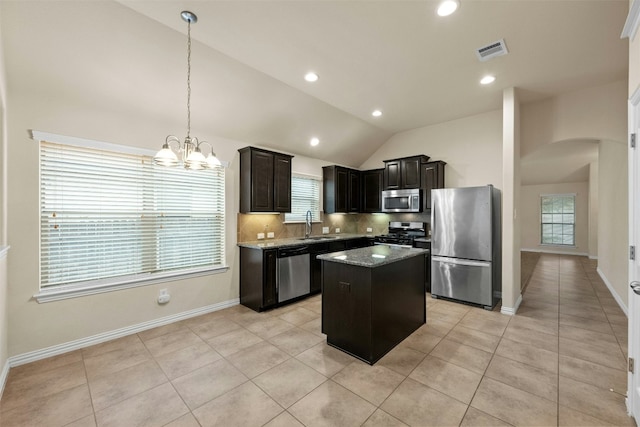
353 204
258 278
367 311
370 190
258 271
265 181
431 177
341 189
403 173
392 180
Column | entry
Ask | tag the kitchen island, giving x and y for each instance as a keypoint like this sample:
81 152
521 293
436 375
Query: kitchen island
372 298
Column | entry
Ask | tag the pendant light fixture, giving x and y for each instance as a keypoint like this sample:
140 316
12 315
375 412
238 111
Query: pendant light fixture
192 157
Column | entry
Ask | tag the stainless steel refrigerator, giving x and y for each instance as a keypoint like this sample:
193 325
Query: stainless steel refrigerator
466 249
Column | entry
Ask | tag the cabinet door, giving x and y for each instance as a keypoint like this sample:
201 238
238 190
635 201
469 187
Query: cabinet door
410 172
372 181
342 189
392 178
282 183
354 191
432 177
269 296
261 181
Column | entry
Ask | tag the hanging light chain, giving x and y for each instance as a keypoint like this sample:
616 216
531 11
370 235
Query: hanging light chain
189 78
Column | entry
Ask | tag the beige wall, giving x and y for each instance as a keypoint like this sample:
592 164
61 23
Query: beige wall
472 148
613 234
634 62
530 216
4 312
511 220
35 326
598 113
593 210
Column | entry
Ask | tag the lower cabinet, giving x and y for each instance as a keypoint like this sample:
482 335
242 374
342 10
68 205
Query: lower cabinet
259 274
427 263
258 278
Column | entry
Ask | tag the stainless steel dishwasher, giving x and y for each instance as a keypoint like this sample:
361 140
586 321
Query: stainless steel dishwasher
294 274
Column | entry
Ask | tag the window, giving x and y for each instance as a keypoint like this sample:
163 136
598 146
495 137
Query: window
110 218
558 219
305 196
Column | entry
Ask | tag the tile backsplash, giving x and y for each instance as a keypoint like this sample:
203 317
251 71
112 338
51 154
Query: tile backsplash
249 225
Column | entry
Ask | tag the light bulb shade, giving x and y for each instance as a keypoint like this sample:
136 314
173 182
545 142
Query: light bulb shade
165 157
195 160
213 161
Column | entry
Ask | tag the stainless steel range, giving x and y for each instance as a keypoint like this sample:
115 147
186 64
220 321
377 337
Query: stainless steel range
402 233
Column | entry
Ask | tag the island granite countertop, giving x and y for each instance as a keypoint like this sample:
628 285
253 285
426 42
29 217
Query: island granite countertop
297 241
372 256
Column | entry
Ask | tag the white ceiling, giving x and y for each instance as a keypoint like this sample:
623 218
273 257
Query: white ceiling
249 58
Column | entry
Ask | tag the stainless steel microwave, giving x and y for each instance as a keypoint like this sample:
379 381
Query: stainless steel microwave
402 200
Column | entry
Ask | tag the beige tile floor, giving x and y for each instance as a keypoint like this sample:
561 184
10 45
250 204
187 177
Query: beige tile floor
559 361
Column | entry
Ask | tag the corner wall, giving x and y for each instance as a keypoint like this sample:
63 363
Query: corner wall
471 146
613 231
4 291
530 215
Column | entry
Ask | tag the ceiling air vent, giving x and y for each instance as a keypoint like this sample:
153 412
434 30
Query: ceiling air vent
491 50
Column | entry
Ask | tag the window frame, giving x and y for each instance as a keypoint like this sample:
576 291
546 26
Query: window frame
91 287
555 197
317 216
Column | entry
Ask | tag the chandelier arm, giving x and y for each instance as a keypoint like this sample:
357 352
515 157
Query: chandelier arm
174 139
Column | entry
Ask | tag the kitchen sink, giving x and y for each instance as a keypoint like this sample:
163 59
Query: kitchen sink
317 238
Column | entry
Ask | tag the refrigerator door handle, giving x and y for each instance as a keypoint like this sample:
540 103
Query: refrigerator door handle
461 261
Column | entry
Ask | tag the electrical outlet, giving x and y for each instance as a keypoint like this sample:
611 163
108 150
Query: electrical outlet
369 229
163 296
325 230
260 236
270 235
337 230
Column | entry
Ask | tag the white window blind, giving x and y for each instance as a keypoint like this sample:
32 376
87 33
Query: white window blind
105 216
305 196
558 219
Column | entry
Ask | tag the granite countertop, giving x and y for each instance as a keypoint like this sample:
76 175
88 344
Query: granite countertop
372 256
297 241
423 239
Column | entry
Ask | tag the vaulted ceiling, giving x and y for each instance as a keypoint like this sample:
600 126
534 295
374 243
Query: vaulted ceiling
249 59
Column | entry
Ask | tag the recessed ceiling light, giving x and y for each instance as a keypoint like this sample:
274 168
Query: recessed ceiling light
311 77
376 113
487 80
314 142
447 7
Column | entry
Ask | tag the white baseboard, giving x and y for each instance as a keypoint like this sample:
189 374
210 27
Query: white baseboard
613 292
3 377
55 350
555 252
512 310
593 256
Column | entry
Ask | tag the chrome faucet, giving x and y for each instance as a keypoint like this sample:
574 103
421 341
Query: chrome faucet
307 224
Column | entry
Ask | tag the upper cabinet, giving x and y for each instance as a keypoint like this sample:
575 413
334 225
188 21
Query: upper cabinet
265 181
403 173
341 189
371 190
431 177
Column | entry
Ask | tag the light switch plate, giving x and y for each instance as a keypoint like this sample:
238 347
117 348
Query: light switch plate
337 230
325 230
270 235
260 236
369 229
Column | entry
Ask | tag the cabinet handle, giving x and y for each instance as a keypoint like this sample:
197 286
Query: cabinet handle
344 286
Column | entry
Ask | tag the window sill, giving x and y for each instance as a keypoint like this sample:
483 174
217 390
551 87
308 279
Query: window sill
557 245
80 290
301 222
